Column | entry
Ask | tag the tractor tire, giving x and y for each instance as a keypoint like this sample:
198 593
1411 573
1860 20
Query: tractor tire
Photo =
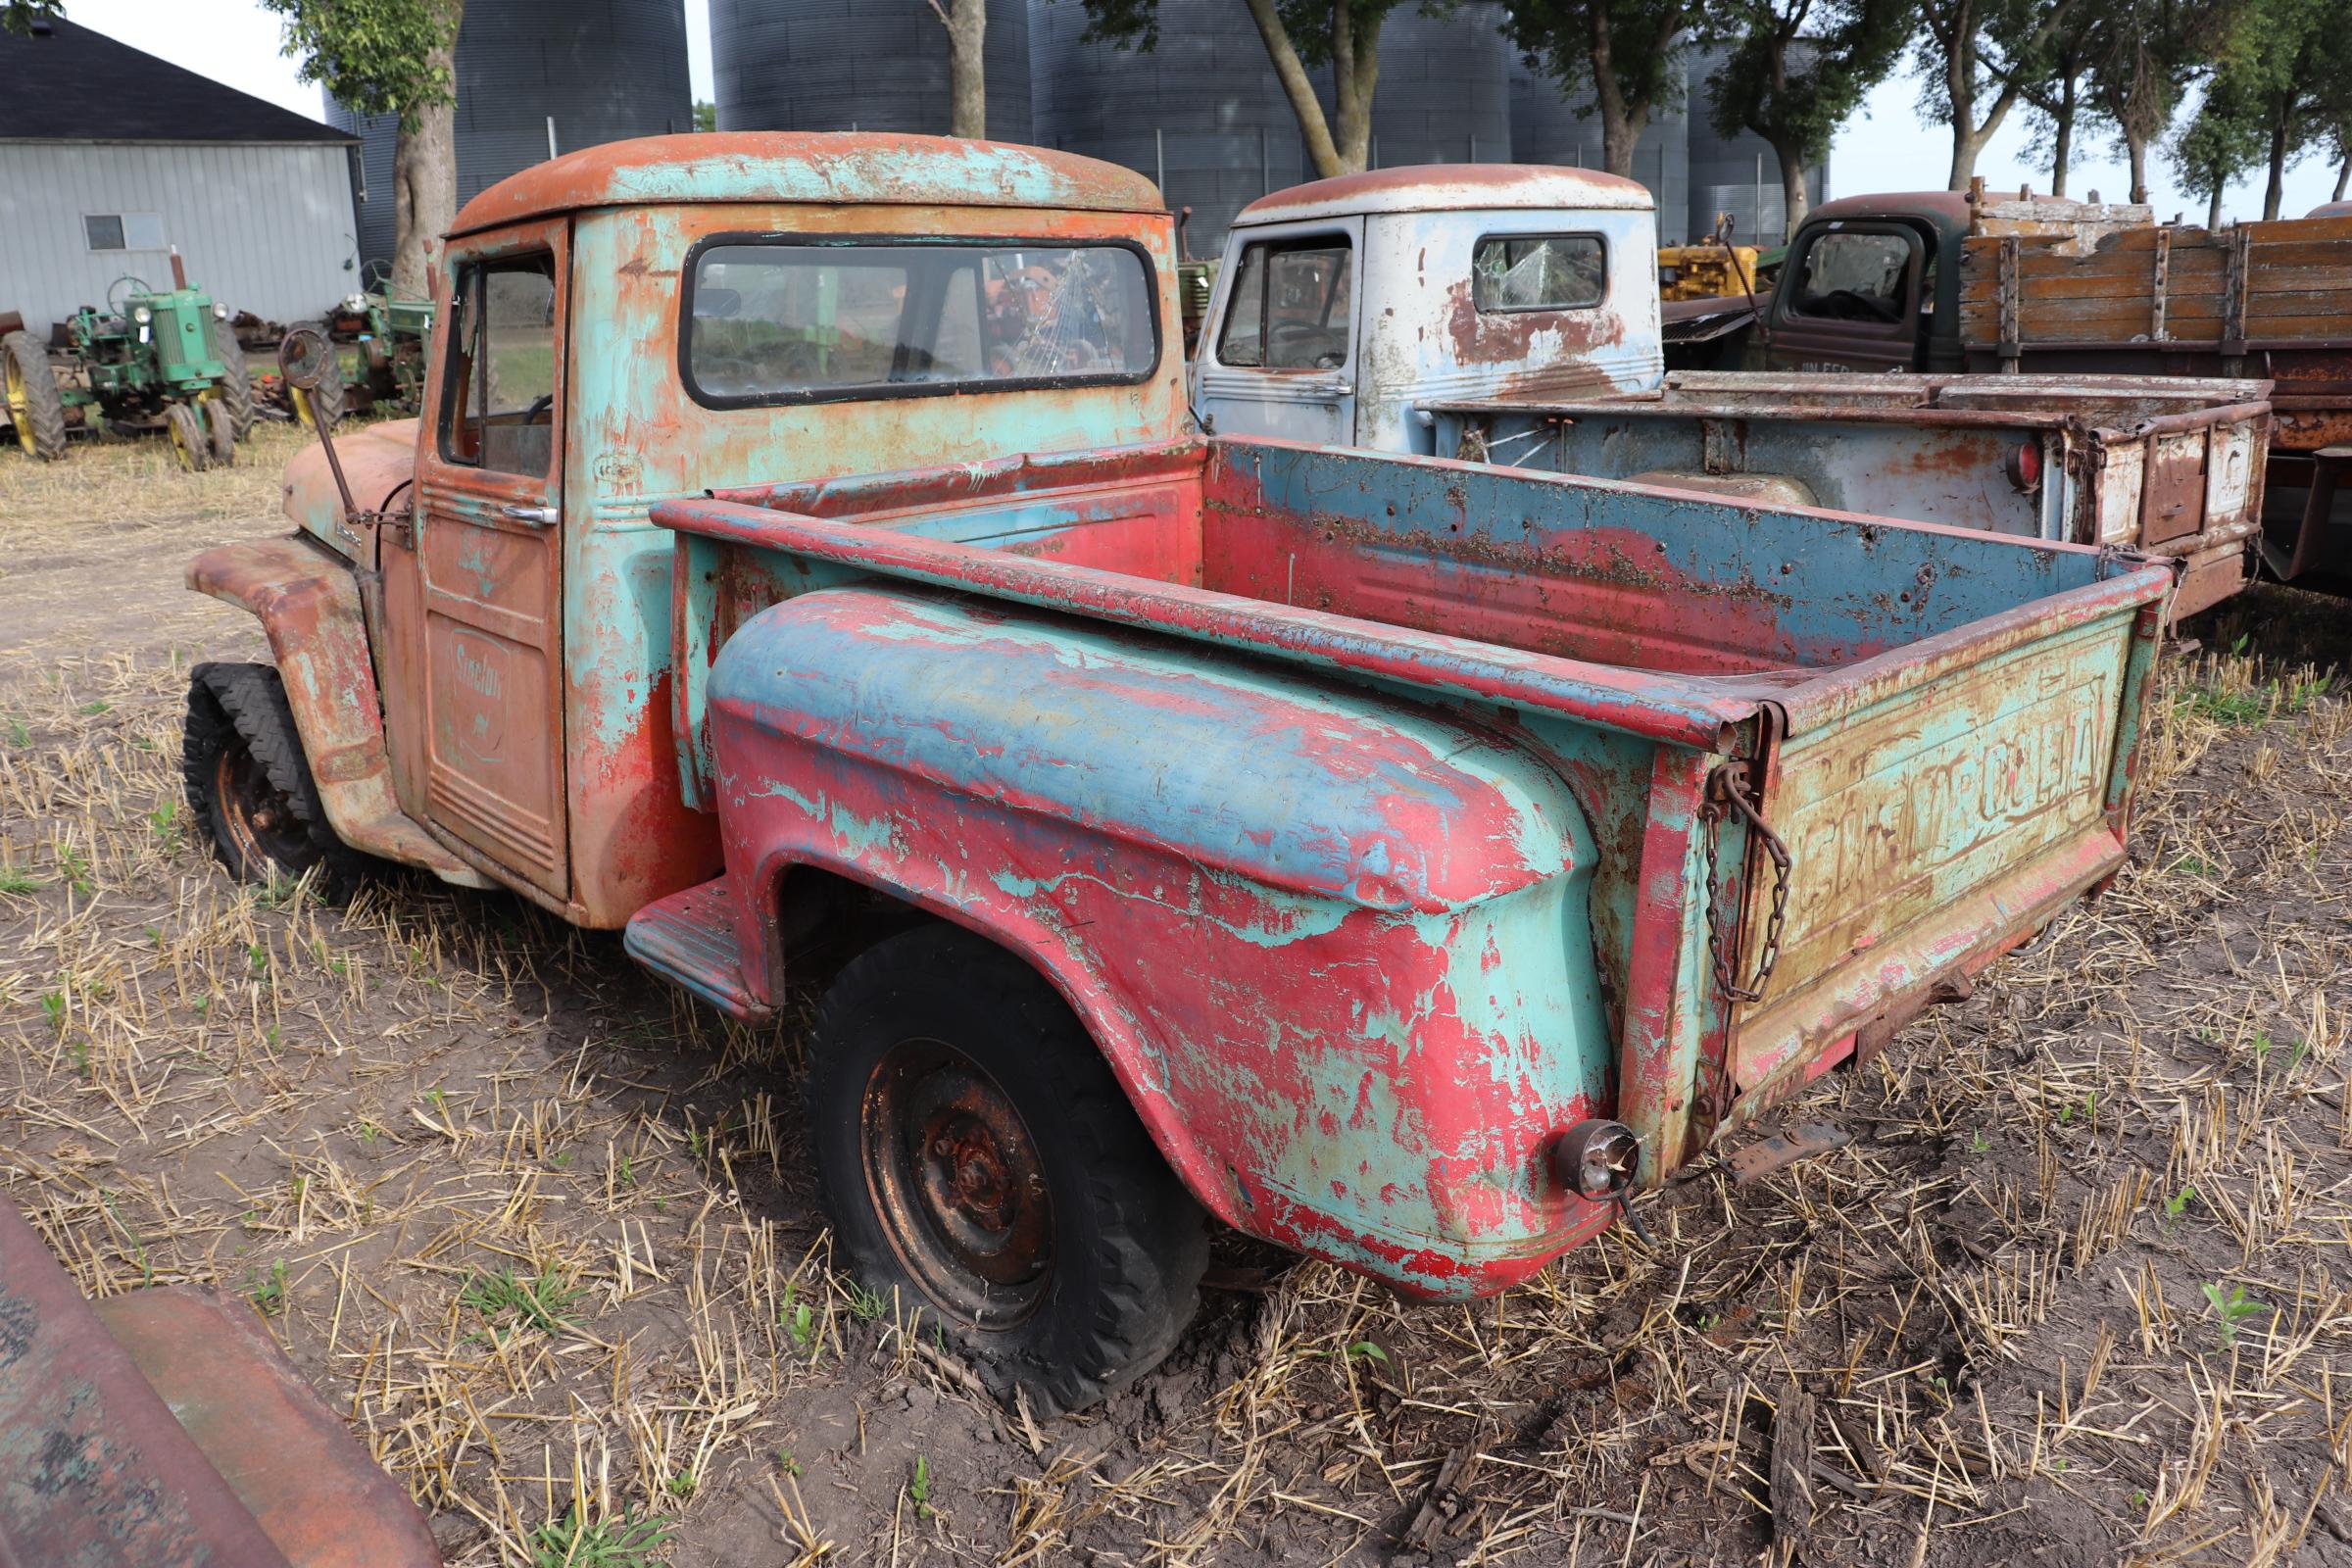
327 401
189 443
976 1157
236 384
249 786
36 406
219 432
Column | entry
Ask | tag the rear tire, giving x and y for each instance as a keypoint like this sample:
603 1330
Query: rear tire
236 383
35 406
250 789
976 1157
219 432
324 403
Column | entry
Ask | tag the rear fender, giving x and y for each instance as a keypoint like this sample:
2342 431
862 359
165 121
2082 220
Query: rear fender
1335 947
308 602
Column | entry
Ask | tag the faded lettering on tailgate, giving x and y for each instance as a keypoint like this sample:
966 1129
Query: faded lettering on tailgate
1907 806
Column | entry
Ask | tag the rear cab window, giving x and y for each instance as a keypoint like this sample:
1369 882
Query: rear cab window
773 319
1539 272
1855 275
1290 306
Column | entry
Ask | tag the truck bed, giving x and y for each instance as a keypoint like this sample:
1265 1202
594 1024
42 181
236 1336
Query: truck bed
2169 467
1940 723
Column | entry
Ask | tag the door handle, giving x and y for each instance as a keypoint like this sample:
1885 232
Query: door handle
1343 390
536 517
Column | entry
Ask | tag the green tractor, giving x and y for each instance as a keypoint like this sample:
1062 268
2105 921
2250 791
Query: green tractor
392 331
151 359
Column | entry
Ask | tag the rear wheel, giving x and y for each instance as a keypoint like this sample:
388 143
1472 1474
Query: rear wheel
189 443
36 406
236 383
249 787
977 1158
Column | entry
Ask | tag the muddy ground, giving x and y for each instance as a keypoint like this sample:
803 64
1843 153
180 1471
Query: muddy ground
2075 1293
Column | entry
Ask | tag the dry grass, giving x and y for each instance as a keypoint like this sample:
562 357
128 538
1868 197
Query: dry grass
543 1233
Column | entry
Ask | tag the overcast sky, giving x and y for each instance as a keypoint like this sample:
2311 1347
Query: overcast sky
1884 148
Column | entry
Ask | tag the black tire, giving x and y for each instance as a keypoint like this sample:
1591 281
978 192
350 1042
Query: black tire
911 1041
220 430
44 413
330 399
250 790
189 443
236 382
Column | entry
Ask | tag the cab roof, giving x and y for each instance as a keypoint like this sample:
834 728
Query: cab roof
822 167
1441 187
1946 208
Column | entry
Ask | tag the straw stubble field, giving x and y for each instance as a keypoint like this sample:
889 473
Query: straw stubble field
2075 1293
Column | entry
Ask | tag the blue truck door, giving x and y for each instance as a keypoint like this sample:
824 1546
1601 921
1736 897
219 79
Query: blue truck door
1279 357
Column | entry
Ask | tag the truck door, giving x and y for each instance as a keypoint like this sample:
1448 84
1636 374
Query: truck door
473 605
1280 354
1850 299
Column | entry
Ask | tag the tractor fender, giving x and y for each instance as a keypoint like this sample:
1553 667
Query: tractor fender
308 602
1335 947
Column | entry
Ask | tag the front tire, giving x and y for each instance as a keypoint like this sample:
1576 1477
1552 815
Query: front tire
976 1157
249 787
36 406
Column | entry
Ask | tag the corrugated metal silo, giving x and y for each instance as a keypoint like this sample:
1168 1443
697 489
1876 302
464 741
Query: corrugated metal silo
858 64
1202 113
1444 88
1546 127
601 72
1739 174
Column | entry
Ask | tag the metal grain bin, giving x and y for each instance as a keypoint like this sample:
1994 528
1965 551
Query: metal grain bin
858 64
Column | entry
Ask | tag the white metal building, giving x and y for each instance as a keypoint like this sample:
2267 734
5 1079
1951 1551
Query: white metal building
109 157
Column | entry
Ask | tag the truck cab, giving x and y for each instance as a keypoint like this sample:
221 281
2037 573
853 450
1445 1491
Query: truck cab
1344 304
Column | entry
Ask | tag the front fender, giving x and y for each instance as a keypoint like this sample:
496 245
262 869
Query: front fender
1335 947
308 606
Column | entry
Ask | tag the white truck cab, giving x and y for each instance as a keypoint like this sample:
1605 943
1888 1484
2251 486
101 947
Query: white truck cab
1344 305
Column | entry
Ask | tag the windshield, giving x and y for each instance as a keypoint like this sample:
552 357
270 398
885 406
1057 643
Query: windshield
794 320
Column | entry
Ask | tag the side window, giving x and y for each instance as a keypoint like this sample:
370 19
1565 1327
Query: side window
1850 276
1290 306
499 410
1539 272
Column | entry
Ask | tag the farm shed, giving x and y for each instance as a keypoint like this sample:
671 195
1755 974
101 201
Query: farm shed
110 156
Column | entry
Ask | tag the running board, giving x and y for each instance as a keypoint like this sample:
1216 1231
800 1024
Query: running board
689 939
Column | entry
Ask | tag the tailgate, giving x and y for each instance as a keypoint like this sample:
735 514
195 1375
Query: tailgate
1968 796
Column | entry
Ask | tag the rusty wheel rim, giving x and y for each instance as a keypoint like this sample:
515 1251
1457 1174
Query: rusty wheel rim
257 815
957 1185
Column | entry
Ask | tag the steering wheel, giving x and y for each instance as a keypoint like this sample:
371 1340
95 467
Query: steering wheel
1862 306
539 406
376 277
112 289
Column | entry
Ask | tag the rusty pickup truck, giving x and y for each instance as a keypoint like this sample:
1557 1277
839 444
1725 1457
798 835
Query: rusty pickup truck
1511 315
805 563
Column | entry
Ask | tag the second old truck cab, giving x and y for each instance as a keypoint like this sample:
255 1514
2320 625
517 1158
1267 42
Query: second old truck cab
805 566
1511 315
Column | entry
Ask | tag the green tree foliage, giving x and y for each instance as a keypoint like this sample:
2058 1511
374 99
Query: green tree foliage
1796 72
379 57
2144 54
1628 53
2057 96
19 16
2219 142
706 115
1302 36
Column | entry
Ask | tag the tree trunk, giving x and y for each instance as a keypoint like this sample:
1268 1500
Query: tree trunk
424 185
967 74
1793 201
2136 148
2275 190
2213 211
1621 123
1299 88
1354 73
2062 141
1960 94
2343 176
1966 146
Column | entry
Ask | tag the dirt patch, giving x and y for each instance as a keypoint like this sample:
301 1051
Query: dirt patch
543 1232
